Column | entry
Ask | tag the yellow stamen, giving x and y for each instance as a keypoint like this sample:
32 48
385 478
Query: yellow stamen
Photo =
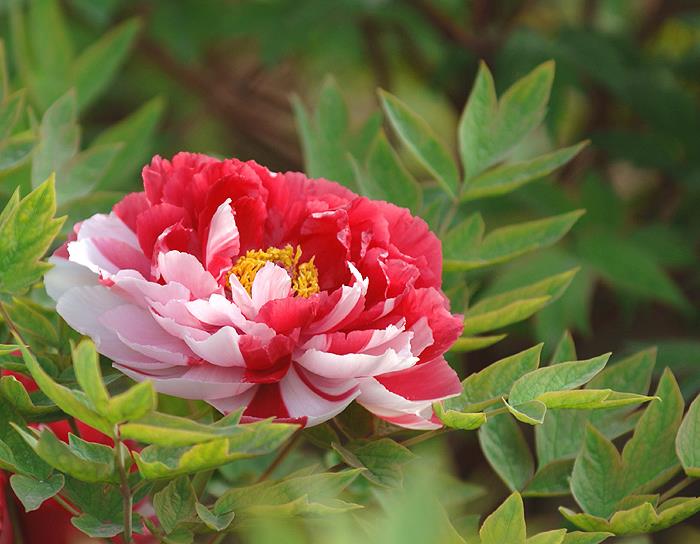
304 275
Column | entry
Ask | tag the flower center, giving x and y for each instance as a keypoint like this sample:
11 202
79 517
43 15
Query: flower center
304 275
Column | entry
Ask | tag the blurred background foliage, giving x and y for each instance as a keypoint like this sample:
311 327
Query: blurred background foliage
115 81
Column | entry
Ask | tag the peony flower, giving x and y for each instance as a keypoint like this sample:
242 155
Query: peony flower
289 296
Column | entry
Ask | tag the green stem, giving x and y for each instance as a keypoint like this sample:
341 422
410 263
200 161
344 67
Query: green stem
10 324
680 486
497 411
216 539
60 500
282 455
423 437
449 217
124 488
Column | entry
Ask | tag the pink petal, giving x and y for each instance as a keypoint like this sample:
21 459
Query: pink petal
354 365
220 348
107 226
141 291
65 275
130 207
185 269
351 301
223 242
82 308
431 381
152 222
216 311
395 408
137 329
303 398
203 381
271 282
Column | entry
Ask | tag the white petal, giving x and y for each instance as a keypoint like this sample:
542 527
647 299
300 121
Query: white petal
82 308
302 401
382 402
203 381
221 348
223 235
137 329
65 275
354 365
270 283
185 269
108 226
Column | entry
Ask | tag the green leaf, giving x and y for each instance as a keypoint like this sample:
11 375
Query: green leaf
72 402
550 537
513 312
562 433
688 440
494 381
551 480
628 267
512 306
506 450
312 494
11 109
254 439
467 421
650 453
211 520
602 477
565 350
169 430
506 524
14 393
27 228
420 140
4 77
79 176
86 363
97 65
590 399
323 436
52 51
134 403
33 320
509 177
596 478
506 243
175 504
383 459
102 501
641 519
15 454
323 156
387 179
134 134
59 139
531 412
331 113
95 528
82 460
478 115
586 538
487 132
559 377
33 492
473 343
463 237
